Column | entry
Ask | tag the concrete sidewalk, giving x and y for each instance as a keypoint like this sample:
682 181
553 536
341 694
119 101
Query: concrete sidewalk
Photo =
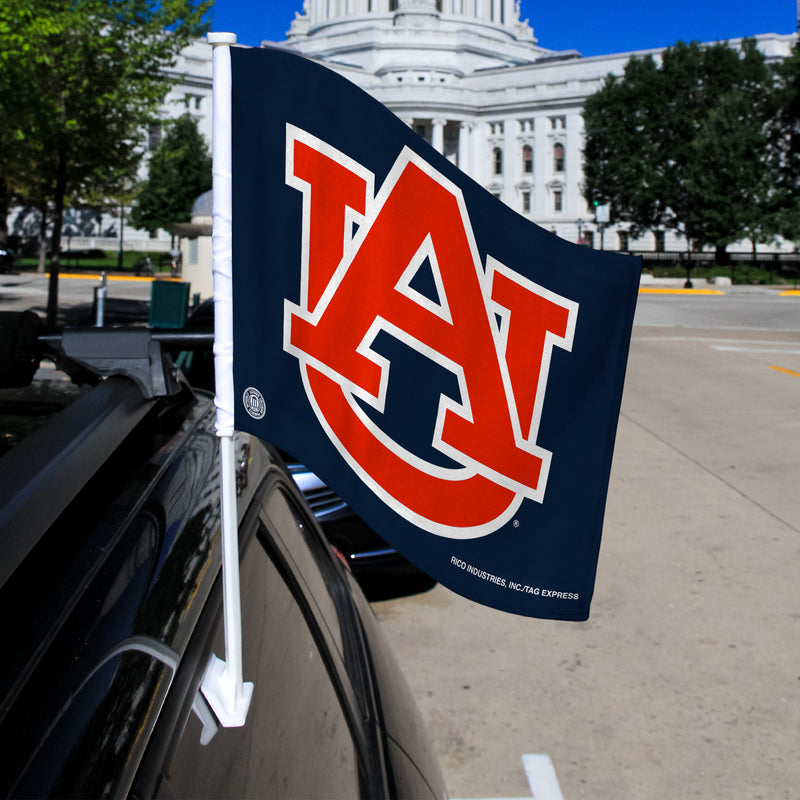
685 681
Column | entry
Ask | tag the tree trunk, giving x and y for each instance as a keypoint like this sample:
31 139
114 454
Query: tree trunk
42 268
55 248
5 202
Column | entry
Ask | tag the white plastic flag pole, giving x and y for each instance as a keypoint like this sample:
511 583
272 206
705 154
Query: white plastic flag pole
223 687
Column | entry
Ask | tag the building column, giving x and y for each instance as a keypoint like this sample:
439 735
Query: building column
437 137
511 156
511 12
541 162
465 146
573 176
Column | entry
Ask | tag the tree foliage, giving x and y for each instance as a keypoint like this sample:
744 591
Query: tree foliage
79 82
785 142
179 171
682 144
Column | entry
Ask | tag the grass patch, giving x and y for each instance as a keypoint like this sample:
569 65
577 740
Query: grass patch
81 260
739 273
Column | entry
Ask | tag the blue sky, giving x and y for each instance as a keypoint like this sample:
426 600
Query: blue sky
593 27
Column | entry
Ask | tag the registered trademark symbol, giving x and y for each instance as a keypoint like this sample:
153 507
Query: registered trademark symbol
515 523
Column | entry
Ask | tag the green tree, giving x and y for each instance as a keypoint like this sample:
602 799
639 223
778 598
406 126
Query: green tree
621 123
682 144
22 35
84 79
785 140
179 171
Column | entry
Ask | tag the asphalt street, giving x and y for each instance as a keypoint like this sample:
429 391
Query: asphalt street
685 681
127 298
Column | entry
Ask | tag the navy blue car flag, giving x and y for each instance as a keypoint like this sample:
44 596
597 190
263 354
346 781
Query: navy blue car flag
450 369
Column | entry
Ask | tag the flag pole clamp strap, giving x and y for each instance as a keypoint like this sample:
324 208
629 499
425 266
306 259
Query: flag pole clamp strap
222 686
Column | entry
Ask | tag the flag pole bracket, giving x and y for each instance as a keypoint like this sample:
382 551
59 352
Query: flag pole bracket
222 686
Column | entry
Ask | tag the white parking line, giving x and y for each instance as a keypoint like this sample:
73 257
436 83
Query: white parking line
731 349
542 778
730 345
711 339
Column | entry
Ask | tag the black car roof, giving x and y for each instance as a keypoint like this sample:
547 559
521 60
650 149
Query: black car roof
57 459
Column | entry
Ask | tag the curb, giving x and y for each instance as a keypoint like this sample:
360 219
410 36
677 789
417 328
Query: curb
97 277
655 290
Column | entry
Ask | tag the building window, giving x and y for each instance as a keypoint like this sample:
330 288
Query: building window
659 241
558 200
558 123
558 157
193 101
624 241
193 251
527 159
425 131
154 137
526 201
497 161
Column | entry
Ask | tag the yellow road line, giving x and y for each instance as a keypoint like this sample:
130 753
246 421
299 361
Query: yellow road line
654 290
787 371
790 293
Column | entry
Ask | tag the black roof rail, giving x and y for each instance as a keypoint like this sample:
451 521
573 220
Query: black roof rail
133 352
57 460
139 353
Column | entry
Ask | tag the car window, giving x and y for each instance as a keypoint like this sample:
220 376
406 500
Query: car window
321 581
301 544
297 741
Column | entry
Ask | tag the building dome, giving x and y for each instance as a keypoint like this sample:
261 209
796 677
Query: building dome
392 36
499 13
469 77
204 205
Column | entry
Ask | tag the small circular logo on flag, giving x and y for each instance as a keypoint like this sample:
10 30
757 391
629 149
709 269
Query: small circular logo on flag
254 403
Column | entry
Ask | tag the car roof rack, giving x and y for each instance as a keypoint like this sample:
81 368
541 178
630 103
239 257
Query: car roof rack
57 459
139 353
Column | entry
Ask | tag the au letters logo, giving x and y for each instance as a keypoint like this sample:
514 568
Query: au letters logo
492 328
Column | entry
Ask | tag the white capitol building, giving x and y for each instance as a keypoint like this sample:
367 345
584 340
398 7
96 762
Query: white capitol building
468 76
